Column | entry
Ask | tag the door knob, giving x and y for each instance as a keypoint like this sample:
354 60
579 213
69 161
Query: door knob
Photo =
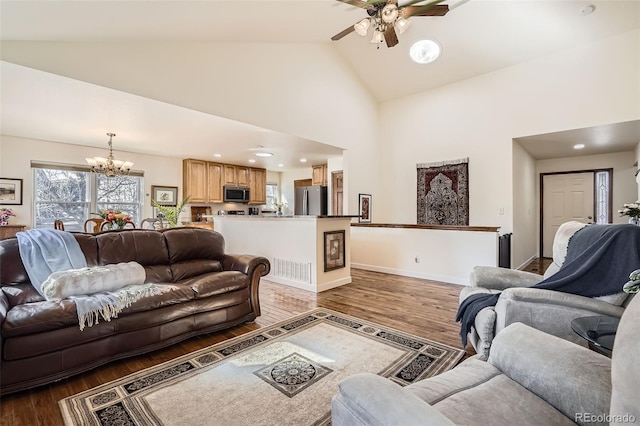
589 217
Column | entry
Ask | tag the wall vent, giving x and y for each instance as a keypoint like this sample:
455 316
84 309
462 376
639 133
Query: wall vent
295 271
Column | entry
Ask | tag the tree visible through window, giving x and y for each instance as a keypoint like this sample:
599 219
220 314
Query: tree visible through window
272 194
73 195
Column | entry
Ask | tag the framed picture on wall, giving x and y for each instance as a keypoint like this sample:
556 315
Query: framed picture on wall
334 251
11 191
364 208
164 195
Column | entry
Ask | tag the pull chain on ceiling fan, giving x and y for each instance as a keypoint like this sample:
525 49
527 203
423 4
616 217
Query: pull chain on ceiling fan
387 19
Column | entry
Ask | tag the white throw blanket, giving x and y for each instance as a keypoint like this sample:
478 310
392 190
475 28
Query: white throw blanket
57 269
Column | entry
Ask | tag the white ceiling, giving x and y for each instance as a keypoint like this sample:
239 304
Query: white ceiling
477 37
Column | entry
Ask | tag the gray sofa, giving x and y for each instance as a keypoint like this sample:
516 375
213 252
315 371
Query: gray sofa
546 310
530 378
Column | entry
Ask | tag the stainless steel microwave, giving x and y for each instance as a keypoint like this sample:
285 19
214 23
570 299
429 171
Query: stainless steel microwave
236 194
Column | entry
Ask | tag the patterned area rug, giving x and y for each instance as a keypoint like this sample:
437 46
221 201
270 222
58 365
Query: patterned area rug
285 374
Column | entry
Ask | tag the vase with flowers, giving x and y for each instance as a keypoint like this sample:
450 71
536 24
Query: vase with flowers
279 206
5 214
633 211
114 219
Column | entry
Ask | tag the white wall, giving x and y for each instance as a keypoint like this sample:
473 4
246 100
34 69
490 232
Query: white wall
525 208
478 118
637 165
623 185
442 255
306 90
16 155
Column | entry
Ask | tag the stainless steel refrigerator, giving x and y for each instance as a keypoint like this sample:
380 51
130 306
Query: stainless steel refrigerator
311 200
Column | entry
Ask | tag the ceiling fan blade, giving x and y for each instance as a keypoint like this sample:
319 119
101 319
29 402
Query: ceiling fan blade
357 3
390 36
437 10
343 33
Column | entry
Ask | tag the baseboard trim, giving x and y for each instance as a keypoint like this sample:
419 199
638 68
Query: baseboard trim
521 267
412 274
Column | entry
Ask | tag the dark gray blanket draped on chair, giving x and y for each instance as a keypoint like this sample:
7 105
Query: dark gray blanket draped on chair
598 263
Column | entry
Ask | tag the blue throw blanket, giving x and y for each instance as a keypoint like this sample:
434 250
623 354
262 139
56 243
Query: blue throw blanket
598 262
44 251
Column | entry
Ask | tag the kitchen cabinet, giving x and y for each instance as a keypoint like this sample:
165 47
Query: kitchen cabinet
319 175
194 180
214 181
257 186
236 175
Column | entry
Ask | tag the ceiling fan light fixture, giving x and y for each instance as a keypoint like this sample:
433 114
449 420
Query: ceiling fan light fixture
362 27
425 51
389 13
378 37
402 25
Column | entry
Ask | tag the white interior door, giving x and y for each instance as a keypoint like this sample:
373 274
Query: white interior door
565 197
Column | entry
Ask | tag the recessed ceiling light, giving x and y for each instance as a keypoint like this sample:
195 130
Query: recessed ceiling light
578 146
587 10
264 154
280 165
425 51
251 160
217 155
303 160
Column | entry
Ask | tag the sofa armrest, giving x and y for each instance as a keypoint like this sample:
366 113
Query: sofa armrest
590 305
4 308
255 267
245 263
368 399
495 278
571 378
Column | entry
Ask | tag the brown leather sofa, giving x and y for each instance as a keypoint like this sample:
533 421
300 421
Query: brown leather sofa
40 341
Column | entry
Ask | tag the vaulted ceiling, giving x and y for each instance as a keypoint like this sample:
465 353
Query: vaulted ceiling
476 36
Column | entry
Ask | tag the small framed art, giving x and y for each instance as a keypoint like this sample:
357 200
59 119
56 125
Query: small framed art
11 191
334 250
364 208
164 195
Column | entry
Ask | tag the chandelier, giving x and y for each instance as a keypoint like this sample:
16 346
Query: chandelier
108 166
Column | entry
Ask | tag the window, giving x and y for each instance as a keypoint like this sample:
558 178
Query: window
72 194
602 197
272 194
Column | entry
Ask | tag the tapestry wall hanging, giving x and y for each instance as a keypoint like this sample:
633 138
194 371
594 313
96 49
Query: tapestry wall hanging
443 193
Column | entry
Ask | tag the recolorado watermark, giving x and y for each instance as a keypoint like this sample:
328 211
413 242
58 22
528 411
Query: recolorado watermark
604 418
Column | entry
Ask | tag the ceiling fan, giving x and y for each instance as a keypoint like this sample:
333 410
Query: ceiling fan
388 19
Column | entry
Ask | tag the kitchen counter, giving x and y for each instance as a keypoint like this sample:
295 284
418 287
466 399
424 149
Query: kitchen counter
308 252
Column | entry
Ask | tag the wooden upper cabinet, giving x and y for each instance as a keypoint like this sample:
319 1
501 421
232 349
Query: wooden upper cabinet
257 186
215 172
194 180
229 177
319 175
242 176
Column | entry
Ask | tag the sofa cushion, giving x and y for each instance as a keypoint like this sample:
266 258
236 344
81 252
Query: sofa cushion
469 386
193 268
193 243
147 248
216 283
38 317
21 293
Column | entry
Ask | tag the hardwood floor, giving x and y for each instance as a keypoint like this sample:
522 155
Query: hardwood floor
538 265
421 307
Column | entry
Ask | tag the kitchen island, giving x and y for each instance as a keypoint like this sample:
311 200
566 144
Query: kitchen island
308 252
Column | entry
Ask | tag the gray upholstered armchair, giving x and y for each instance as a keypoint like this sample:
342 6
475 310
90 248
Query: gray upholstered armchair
546 310
530 378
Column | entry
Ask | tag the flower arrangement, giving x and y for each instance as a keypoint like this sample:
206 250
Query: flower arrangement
170 213
633 285
5 214
279 206
631 209
114 218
